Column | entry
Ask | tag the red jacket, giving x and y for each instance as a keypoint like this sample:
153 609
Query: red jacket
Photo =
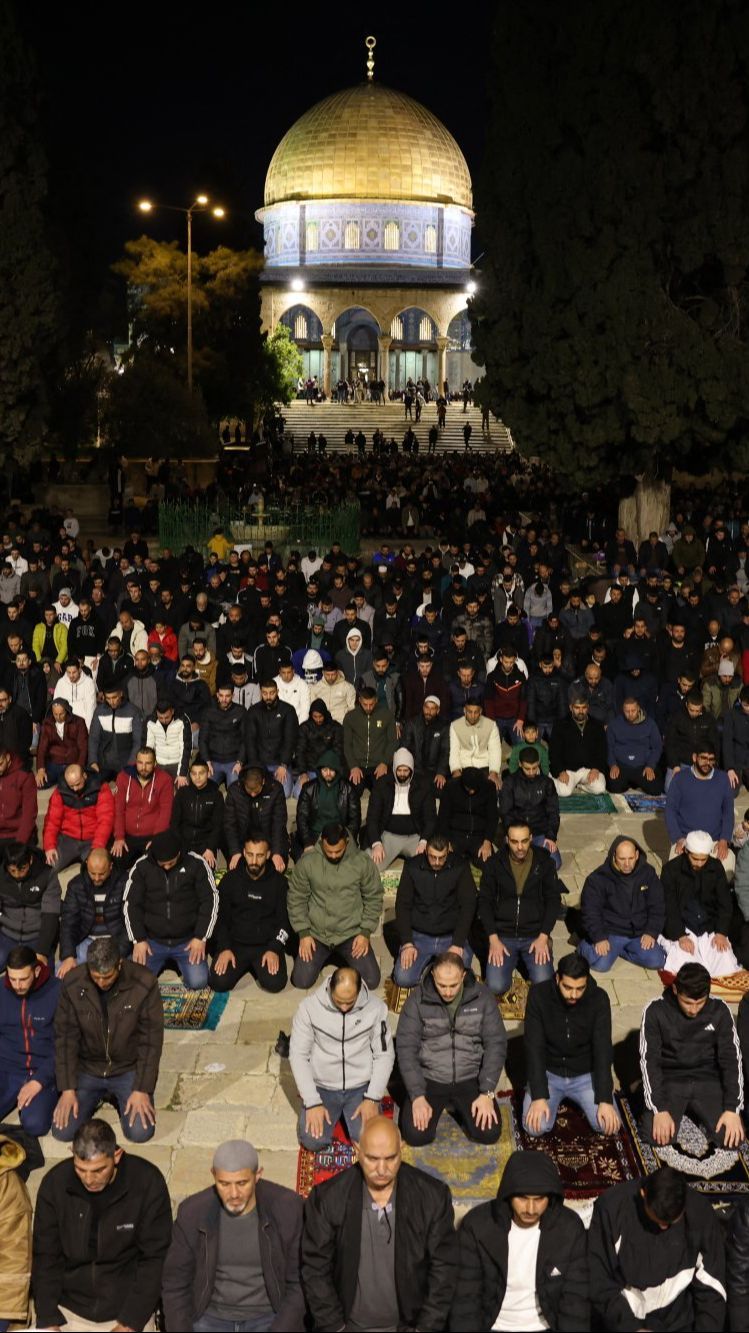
87 818
17 803
168 641
139 811
71 749
505 695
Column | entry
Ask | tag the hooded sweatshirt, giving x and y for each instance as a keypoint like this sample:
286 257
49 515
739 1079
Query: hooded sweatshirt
330 1049
617 904
353 664
322 802
80 694
142 809
535 1276
402 808
62 743
633 744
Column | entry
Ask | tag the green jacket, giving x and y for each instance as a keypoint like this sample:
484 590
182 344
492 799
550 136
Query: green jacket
542 750
719 700
334 902
368 738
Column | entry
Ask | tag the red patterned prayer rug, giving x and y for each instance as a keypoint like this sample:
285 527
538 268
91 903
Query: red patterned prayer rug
588 1163
314 1167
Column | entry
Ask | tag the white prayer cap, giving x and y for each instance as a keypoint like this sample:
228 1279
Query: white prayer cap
699 842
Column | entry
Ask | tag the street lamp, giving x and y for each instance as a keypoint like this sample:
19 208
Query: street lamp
199 205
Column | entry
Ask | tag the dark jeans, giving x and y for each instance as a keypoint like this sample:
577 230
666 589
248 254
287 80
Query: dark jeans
455 1097
90 1092
209 1323
702 1102
35 1118
70 850
305 975
634 777
248 960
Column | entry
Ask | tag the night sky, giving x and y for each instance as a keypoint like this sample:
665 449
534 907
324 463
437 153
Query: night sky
139 101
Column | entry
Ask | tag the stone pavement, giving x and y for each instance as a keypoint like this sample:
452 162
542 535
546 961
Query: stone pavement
230 1083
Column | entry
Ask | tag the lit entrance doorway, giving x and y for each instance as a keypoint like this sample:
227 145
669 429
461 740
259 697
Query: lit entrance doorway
413 349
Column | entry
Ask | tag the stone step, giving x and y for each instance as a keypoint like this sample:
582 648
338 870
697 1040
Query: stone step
335 419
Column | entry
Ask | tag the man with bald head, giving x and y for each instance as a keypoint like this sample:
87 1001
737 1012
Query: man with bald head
80 816
379 1248
92 907
623 910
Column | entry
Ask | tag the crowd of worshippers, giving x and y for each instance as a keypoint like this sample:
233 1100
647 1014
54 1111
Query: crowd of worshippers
373 1248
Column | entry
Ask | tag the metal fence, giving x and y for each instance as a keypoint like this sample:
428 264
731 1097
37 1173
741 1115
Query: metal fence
185 522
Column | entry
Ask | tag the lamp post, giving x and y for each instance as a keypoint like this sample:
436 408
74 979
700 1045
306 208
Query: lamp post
199 205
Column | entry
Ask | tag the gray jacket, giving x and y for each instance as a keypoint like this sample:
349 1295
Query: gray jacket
330 1049
432 1047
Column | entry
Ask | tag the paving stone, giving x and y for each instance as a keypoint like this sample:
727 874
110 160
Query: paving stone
250 1058
281 1167
267 1132
190 1172
178 1056
165 1088
169 1126
197 1090
213 1125
250 1090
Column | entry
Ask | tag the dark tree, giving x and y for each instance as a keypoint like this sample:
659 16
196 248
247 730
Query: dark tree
29 304
613 310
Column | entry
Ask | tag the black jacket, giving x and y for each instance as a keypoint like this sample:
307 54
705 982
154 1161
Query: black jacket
251 911
422 805
736 739
626 1251
699 900
570 749
191 697
429 744
547 697
425 1247
737 1269
198 817
263 815
270 733
617 904
435 902
222 733
313 741
687 735
675 1049
30 907
469 815
79 912
533 800
561 1277
170 905
16 731
190 1268
121 1279
349 810
534 912
568 1039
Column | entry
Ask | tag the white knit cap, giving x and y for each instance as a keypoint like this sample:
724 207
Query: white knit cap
699 842
432 699
726 667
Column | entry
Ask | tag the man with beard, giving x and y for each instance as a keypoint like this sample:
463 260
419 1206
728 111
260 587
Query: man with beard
402 813
328 798
252 928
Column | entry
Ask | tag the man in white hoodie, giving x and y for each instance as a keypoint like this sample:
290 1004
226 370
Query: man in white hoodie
342 1056
77 686
475 743
293 690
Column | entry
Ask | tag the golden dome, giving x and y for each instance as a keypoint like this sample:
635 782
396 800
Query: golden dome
369 142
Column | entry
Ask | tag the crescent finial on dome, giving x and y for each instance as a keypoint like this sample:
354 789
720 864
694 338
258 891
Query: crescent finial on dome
370 43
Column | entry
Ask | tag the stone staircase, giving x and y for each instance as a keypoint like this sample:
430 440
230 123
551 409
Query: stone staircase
90 504
334 419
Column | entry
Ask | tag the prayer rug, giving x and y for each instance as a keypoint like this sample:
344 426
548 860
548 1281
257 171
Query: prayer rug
732 988
472 1170
396 996
191 1010
588 1163
720 1174
512 1003
640 804
315 1167
584 803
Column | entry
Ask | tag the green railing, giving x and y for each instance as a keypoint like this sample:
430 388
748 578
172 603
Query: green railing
183 522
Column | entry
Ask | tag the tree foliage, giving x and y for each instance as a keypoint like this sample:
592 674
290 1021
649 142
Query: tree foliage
148 412
236 368
29 307
613 311
285 365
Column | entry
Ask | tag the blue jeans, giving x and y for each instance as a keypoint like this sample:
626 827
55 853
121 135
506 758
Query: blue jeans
427 947
90 1092
506 727
194 975
35 1118
225 771
209 1323
288 781
578 1090
298 788
623 947
339 1105
499 979
538 841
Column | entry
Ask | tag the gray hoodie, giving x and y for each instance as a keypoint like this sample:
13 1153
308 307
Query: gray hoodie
330 1049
